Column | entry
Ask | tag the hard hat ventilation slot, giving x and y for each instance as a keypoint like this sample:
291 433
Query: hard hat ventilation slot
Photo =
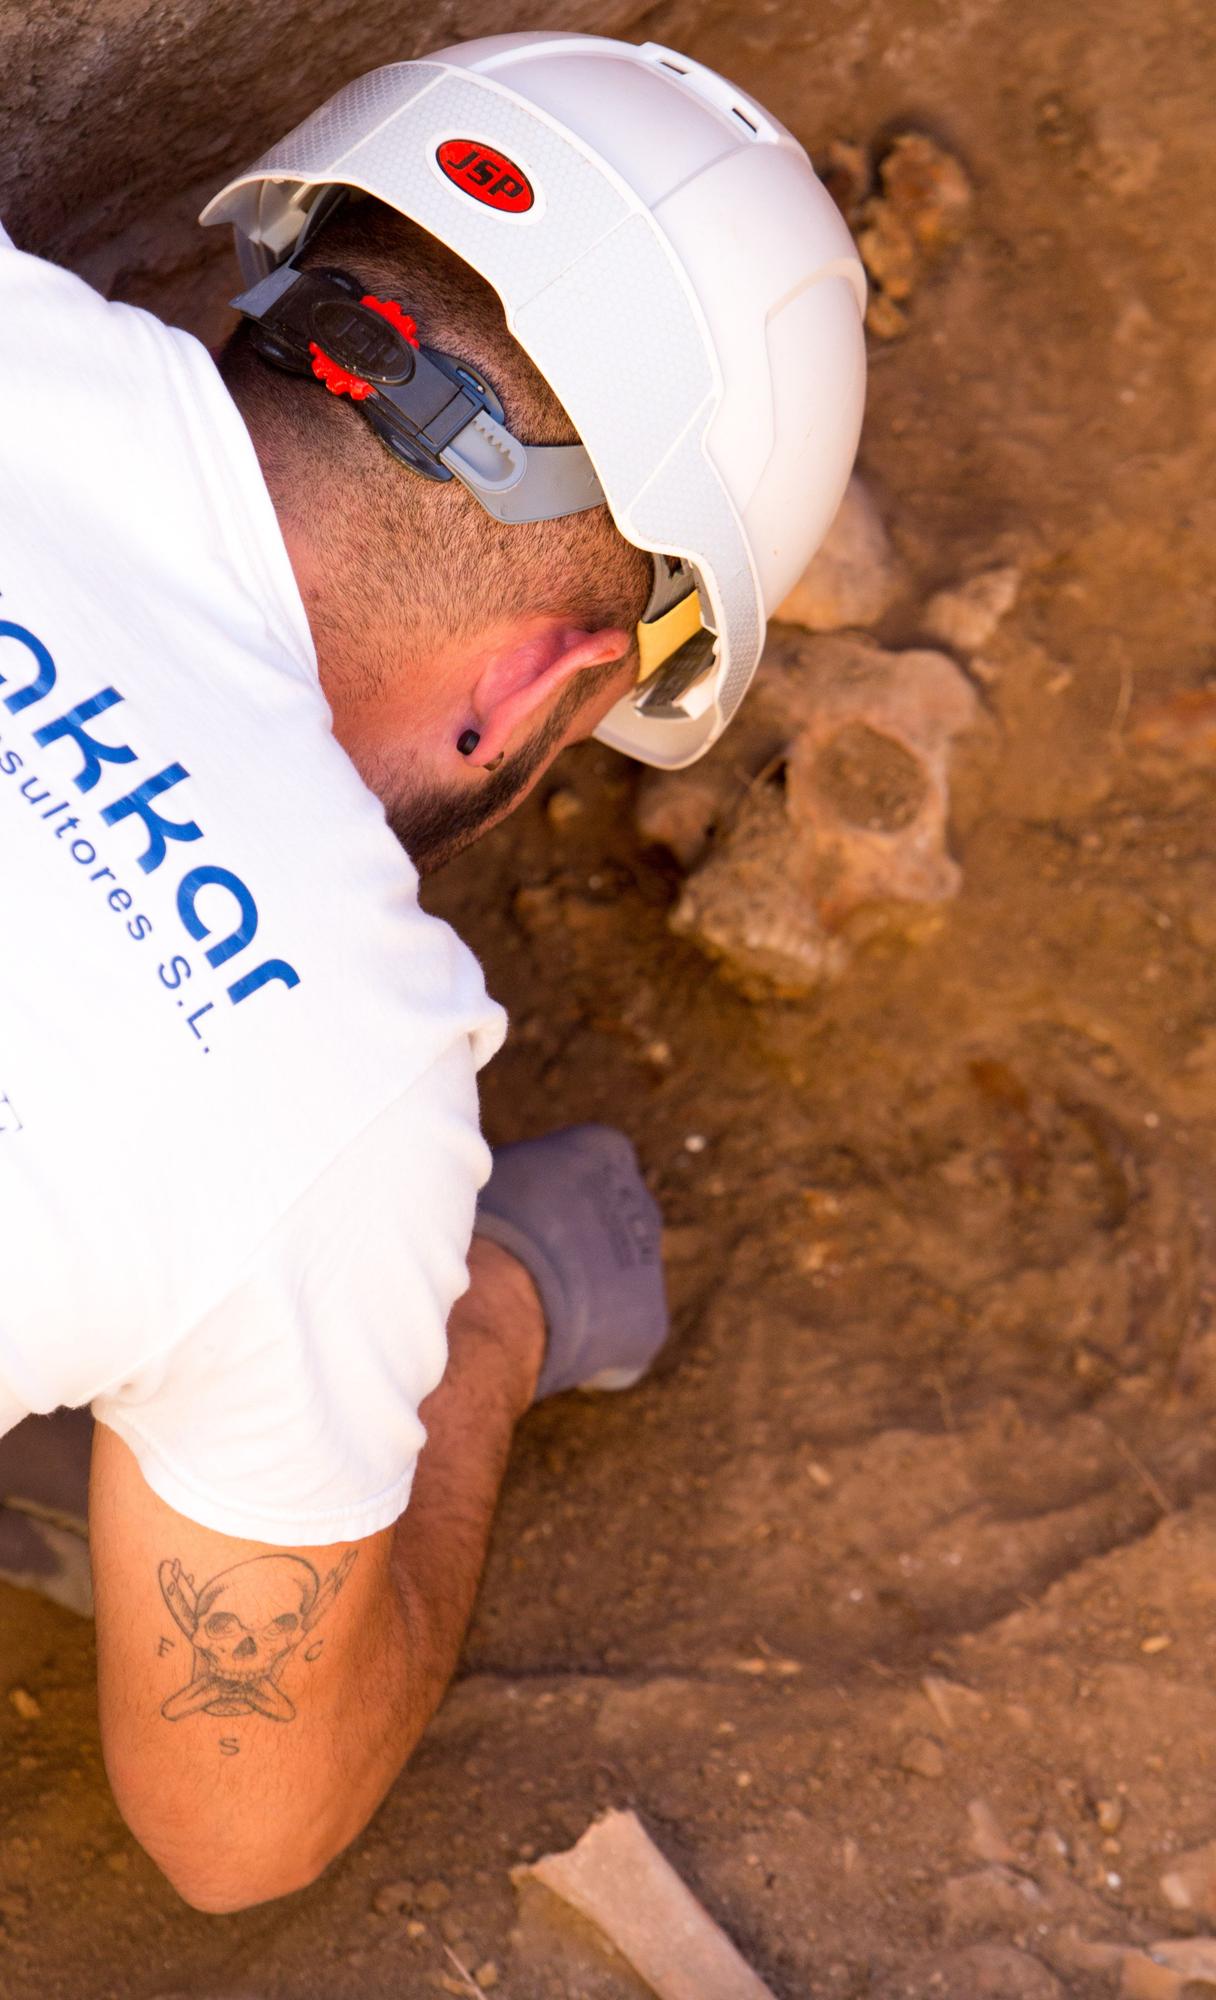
744 120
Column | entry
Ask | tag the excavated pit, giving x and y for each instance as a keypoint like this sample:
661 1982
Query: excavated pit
889 1605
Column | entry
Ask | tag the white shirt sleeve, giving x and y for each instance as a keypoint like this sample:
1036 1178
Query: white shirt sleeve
289 1414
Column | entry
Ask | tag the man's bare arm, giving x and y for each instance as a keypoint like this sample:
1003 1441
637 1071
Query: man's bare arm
257 1702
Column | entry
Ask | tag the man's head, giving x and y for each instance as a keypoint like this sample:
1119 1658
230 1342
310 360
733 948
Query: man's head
431 618
688 289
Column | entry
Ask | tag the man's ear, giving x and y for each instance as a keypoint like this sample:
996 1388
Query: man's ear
517 680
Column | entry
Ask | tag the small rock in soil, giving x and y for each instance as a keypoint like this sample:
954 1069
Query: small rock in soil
995 1972
966 616
990 1899
1081 1954
1190 1958
853 578
28 1707
1184 725
486 1975
393 1898
433 1895
987 1839
923 1756
677 809
1176 1969
950 1701
562 807
847 173
1051 1848
928 189
904 230
1190 1881
538 908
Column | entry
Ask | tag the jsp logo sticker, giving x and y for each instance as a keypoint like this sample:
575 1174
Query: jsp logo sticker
489 176
9 1119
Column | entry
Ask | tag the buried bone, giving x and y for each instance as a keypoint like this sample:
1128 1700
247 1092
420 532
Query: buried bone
859 821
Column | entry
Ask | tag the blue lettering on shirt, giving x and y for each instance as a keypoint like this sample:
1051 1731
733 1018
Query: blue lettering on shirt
209 897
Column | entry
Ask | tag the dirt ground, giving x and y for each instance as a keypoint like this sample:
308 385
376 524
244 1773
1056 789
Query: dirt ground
890 1605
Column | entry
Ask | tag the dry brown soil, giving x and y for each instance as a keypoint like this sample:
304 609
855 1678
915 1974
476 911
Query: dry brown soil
939 1405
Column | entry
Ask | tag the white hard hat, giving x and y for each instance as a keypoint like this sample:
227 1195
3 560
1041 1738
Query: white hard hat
668 259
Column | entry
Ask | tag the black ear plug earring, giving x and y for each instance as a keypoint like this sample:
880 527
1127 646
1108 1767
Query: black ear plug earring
467 742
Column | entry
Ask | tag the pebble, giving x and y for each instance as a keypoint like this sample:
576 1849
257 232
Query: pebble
433 1895
950 1701
989 1899
678 809
538 907
1190 1958
28 1707
966 616
1084 1954
1190 1881
486 1975
563 806
996 1972
1050 1848
904 230
1175 1969
1156 1641
1109 1814
923 1756
393 1898
987 1838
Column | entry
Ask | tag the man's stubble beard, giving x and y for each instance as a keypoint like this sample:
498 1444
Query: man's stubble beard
434 825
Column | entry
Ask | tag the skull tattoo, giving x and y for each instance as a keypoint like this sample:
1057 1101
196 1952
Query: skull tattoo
244 1625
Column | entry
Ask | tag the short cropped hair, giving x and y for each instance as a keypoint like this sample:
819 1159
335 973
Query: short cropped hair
429 551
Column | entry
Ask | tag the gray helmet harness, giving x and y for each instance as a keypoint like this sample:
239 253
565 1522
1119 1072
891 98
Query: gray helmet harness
442 419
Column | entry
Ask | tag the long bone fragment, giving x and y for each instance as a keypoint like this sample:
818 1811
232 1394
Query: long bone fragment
616 1877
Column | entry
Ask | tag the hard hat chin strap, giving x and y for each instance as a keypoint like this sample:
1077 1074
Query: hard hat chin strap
440 417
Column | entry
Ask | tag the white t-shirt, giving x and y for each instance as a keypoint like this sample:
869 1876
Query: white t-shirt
239 1148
